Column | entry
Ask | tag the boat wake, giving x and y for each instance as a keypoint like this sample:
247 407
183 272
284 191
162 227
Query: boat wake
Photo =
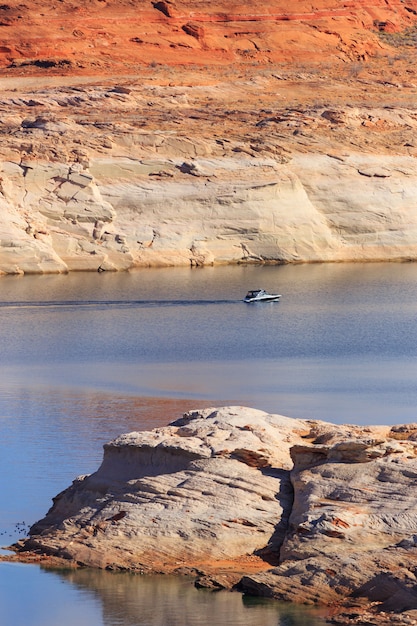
111 304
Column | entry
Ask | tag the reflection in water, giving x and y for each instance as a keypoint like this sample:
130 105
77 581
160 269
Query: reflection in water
173 601
339 346
97 598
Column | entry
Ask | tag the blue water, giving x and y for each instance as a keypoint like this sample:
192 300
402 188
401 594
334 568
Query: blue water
339 346
85 357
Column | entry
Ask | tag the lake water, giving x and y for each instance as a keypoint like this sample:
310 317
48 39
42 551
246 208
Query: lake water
85 357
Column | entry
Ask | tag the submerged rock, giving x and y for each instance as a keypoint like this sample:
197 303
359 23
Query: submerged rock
298 510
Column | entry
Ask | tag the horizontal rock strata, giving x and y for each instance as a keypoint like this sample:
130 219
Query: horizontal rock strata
281 185
190 133
85 35
328 511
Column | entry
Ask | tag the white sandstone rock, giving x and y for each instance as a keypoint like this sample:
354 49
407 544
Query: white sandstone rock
212 485
334 506
238 209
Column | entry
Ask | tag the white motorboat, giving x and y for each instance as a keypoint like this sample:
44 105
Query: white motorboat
260 295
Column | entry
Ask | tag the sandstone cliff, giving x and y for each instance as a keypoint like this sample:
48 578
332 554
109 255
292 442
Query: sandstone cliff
176 133
120 175
297 510
118 35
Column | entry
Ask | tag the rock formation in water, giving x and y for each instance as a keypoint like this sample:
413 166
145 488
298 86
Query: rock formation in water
189 133
298 510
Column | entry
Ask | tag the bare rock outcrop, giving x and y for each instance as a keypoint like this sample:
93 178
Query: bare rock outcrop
328 512
160 183
352 531
213 486
121 213
116 35
295 143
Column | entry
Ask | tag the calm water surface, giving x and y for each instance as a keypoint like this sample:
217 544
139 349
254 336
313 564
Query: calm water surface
87 598
86 357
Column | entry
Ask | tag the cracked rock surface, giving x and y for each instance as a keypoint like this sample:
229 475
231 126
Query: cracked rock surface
297 510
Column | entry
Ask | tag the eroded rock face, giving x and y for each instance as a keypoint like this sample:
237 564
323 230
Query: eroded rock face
120 36
191 133
117 176
212 486
332 509
115 216
352 529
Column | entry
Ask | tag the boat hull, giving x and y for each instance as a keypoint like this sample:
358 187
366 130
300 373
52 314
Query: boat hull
270 298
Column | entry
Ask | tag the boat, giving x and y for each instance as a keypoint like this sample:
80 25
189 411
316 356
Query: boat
260 295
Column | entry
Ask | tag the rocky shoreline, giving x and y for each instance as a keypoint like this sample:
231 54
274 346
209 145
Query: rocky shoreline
298 510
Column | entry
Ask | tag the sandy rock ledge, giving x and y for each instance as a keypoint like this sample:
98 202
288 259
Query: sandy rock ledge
298 510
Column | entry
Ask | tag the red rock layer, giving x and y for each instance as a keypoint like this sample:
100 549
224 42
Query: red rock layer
104 34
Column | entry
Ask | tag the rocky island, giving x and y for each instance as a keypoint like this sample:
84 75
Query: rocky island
299 510
165 133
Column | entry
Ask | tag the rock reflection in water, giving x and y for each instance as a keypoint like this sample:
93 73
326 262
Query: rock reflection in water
131 600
